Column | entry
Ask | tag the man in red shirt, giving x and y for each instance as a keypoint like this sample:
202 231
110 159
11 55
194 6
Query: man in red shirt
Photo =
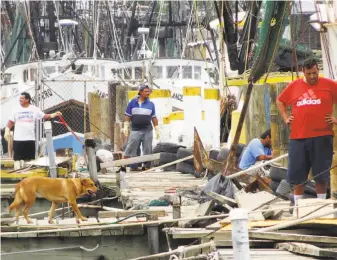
311 137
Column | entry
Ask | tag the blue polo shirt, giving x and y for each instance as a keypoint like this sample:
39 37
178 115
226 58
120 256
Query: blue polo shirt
141 114
254 149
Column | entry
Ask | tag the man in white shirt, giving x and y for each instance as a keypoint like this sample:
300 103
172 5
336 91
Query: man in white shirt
24 119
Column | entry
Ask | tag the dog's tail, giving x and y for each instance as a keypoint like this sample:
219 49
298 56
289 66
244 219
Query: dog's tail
18 199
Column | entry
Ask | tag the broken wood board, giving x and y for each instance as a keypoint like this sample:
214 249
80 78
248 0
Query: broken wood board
184 233
275 210
319 208
202 210
138 159
277 236
306 249
223 200
315 223
125 213
253 201
44 161
253 243
264 254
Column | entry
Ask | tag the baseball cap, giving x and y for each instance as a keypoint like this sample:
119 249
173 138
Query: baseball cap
143 86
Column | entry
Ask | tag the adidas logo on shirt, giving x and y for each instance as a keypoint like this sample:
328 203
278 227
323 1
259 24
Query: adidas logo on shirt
308 102
308 98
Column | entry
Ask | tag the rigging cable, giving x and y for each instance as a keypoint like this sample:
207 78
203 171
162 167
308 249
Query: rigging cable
34 52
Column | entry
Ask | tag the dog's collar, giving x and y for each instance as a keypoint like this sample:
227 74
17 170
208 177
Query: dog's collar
78 193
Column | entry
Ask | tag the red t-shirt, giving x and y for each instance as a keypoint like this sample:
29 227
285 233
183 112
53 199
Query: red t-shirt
309 105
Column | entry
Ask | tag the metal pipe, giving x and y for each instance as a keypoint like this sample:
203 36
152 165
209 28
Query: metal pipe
50 148
240 237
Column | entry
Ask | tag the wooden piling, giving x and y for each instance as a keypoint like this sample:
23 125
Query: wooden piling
280 131
256 119
274 114
153 238
112 110
94 113
333 172
105 122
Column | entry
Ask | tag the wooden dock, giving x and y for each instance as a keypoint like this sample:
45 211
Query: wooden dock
140 191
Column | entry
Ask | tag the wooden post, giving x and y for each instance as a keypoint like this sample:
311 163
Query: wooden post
274 114
112 110
256 118
118 184
118 100
105 122
10 144
333 172
94 113
153 238
284 130
118 140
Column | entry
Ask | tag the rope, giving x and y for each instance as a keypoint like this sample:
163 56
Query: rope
51 249
34 52
275 47
63 122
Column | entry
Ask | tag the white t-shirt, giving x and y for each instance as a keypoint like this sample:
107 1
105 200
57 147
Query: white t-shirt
25 118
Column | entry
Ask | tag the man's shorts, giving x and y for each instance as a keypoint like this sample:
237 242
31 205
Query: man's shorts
315 153
24 150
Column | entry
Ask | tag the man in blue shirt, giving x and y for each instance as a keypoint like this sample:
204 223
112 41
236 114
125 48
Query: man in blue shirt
141 113
258 149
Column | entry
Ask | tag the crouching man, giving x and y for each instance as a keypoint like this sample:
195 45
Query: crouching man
258 150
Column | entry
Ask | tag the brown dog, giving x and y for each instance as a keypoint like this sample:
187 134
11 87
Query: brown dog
56 190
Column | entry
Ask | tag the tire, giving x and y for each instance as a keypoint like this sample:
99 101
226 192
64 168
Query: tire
309 189
223 154
183 152
239 150
166 147
284 189
185 168
308 196
167 158
171 168
278 173
213 154
273 185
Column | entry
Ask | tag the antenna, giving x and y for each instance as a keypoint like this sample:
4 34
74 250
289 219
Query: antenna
145 50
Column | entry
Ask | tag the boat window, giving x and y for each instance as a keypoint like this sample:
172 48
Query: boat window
157 72
138 72
85 69
197 72
127 73
25 75
32 74
119 73
172 71
7 78
50 69
102 72
214 75
187 72
95 70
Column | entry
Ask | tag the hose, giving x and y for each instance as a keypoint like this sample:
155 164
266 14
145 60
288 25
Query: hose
130 216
